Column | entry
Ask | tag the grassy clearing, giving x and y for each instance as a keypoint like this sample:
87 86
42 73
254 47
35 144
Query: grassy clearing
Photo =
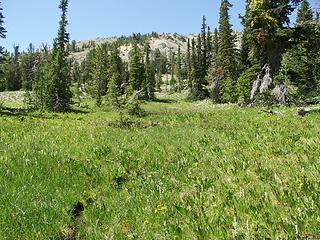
184 171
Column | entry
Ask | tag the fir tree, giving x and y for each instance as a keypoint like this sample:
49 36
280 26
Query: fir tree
204 48
99 74
29 67
179 70
160 62
245 41
12 71
266 24
215 42
59 94
75 74
158 80
136 71
209 49
189 66
41 79
299 63
305 13
194 64
149 74
199 69
225 64
116 74
2 30
173 82
114 91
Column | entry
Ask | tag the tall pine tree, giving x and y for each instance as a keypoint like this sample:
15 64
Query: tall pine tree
224 73
58 96
150 80
2 30
305 13
99 74
136 71
179 70
189 66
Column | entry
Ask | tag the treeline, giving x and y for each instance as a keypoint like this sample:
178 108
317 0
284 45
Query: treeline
225 72
215 65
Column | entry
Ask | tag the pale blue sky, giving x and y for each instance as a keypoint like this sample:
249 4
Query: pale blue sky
36 21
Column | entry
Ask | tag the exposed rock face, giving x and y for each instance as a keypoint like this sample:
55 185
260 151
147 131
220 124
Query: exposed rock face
165 42
264 83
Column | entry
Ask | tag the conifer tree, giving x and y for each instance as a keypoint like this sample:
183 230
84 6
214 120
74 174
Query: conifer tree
173 81
116 73
194 64
158 80
212 74
225 64
199 70
203 44
2 35
178 70
159 68
58 94
266 23
136 71
75 74
209 49
86 68
305 13
99 74
41 79
215 42
114 90
245 41
248 67
2 30
189 66
299 63
29 67
12 71
149 74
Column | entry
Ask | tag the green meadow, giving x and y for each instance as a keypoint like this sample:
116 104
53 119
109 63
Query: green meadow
181 171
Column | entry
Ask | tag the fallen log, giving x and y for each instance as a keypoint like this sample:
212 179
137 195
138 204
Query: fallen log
304 111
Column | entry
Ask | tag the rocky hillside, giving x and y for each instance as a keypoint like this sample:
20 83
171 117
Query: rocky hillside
164 42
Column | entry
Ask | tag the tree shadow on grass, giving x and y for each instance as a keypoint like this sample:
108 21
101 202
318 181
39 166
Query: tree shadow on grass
16 112
164 101
20 112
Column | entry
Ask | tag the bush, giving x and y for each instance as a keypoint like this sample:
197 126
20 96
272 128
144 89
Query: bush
134 109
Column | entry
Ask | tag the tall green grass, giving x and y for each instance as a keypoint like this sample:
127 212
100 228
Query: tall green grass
184 171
